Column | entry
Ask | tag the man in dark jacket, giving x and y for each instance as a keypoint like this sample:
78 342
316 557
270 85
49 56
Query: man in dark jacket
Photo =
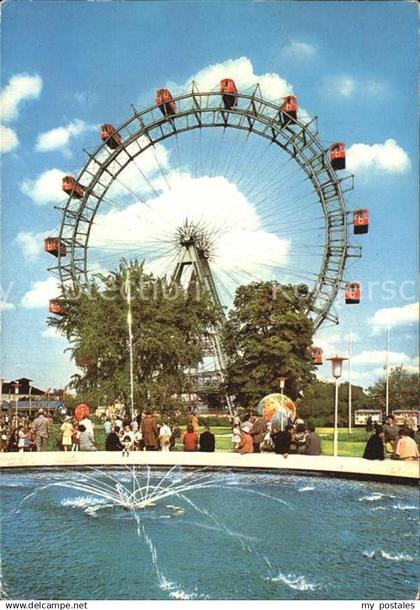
391 431
282 439
374 449
150 433
207 441
312 442
113 442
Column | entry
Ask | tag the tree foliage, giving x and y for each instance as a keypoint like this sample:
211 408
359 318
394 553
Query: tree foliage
268 335
168 327
318 402
403 387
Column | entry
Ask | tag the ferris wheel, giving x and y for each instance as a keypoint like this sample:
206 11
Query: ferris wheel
223 186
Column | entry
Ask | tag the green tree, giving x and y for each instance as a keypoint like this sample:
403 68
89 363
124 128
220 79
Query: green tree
403 389
168 329
319 398
268 335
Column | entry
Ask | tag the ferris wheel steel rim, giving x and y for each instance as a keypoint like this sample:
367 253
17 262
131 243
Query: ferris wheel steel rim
297 139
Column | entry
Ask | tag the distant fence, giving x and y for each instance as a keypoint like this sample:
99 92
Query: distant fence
34 405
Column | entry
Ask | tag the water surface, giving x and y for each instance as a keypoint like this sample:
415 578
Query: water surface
247 536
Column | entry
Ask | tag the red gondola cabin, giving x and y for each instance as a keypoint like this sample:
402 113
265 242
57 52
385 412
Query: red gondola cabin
317 356
352 293
229 93
54 246
360 221
290 107
338 155
110 135
165 101
56 306
71 187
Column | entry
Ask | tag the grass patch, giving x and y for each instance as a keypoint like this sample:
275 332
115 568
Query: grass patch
348 445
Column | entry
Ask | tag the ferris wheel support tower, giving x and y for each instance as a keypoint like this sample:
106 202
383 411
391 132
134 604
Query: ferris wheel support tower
194 257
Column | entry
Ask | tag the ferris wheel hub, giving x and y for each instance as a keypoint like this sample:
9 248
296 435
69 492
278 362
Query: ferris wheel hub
195 234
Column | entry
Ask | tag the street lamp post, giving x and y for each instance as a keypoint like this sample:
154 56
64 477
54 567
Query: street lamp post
16 386
282 382
337 369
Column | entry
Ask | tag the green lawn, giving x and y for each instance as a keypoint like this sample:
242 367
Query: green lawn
349 446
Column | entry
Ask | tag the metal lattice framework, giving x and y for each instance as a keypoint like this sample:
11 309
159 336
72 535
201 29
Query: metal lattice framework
197 110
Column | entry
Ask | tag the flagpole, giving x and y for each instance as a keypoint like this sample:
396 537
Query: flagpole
130 341
387 375
350 396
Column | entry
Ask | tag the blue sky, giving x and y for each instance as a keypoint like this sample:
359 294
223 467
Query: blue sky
67 67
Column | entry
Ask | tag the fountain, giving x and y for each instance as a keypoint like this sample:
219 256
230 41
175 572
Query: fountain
143 533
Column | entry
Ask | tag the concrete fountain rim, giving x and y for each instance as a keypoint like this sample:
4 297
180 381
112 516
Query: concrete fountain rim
393 471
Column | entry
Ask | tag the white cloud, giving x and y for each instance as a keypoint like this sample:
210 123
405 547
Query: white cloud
40 293
6 306
334 342
236 249
59 138
45 188
51 333
375 357
390 317
347 86
30 243
19 88
241 70
299 49
388 157
8 139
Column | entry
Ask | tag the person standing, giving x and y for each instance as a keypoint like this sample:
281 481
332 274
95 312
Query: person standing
75 436
41 428
257 433
312 442
107 426
165 436
193 421
207 441
67 430
369 424
119 422
374 449
150 433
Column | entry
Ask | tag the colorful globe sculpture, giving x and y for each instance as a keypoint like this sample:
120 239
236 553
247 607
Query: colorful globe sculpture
277 409
81 411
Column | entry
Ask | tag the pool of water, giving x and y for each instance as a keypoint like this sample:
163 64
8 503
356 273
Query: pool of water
242 536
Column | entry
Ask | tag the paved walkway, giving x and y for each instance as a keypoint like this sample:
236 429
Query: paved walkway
407 472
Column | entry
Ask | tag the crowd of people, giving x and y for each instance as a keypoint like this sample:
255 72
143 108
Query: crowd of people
254 435
391 440
145 433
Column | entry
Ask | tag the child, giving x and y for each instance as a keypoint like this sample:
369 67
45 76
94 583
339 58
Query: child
75 436
127 441
236 435
22 439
